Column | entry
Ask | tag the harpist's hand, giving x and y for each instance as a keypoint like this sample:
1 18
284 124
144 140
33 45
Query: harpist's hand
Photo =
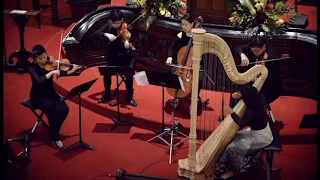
169 60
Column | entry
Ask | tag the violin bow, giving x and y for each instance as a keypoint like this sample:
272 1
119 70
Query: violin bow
141 15
276 59
58 67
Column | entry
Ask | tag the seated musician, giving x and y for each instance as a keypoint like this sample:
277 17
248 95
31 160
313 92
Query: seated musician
259 50
118 53
43 95
245 152
182 39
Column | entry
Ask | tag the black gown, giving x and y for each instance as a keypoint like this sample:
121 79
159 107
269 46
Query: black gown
44 97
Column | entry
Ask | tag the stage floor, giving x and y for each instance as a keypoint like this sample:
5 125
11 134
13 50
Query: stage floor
148 114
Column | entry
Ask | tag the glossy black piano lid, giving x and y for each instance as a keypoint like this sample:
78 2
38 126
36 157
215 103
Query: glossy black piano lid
299 74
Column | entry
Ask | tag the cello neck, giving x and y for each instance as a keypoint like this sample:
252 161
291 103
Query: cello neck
184 59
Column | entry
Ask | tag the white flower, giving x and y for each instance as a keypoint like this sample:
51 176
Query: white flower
258 6
182 3
262 5
168 14
279 22
232 19
162 12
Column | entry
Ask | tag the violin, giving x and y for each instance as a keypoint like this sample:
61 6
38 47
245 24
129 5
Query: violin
52 64
263 57
125 35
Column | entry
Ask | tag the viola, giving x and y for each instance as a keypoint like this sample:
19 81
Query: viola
52 64
125 34
263 57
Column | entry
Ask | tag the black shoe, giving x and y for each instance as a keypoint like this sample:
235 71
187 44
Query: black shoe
133 103
55 145
104 99
113 103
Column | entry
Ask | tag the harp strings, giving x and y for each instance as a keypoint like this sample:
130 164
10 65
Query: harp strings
208 119
219 93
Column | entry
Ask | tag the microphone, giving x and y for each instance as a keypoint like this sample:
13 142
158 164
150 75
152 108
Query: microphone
177 124
123 175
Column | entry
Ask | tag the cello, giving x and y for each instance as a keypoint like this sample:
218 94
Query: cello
184 58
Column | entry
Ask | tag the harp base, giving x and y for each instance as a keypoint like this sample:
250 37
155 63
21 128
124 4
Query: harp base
184 171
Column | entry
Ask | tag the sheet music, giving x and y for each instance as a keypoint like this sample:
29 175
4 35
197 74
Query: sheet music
141 78
18 11
181 84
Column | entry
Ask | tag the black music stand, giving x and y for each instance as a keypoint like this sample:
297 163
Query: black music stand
118 71
169 81
164 80
77 91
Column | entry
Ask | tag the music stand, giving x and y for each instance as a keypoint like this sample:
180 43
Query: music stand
118 71
77 91
170 81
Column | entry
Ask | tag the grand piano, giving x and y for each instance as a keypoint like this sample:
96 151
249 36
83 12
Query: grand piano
299 73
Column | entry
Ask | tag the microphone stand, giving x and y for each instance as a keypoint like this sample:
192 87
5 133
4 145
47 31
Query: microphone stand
123 175
221 118
25 154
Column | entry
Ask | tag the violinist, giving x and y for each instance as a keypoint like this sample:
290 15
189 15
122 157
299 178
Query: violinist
118 53
43 95
182 39
258 50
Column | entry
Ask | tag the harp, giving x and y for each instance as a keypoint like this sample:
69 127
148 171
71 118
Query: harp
200 163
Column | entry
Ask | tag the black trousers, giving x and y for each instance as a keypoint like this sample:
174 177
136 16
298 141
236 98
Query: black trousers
129 86
55 111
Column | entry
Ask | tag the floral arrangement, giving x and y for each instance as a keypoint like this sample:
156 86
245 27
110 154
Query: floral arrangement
154 8
258 16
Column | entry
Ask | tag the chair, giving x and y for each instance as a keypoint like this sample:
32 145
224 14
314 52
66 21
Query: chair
275 146
27 103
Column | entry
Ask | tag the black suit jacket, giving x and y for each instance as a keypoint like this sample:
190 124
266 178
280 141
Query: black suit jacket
272 87
116 52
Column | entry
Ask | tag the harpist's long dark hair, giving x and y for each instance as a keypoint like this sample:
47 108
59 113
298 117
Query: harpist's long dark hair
251 98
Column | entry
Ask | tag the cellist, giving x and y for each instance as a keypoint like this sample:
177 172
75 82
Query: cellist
258 50
182 39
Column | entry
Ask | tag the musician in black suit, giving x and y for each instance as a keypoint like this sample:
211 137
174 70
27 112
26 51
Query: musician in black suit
118 54
257 49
